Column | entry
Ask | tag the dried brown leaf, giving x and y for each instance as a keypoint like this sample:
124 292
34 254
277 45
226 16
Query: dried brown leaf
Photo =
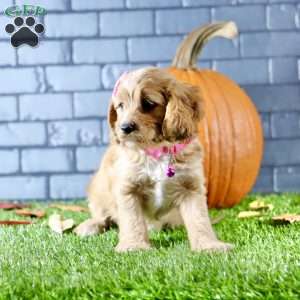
9 205
248 214
260 205
287 218
15 222
30 213
58 225
74 208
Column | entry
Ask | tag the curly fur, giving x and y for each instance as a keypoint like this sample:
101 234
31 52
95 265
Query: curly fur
123 190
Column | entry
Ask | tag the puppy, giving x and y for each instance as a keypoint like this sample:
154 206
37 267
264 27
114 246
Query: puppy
152 172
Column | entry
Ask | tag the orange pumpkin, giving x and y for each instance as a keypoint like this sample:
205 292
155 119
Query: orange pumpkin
231 131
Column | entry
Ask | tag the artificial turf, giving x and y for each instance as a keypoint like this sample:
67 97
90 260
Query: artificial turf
36 263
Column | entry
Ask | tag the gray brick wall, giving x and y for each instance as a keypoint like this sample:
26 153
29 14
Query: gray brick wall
54 98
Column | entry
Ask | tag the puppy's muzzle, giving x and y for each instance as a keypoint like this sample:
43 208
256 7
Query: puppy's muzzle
127 128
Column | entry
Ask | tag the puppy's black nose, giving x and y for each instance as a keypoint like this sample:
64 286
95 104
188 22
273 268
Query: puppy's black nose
128 127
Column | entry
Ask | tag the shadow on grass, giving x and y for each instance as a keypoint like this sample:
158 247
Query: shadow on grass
168 237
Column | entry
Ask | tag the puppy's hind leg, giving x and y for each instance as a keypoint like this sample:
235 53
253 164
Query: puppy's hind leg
89 227
98 223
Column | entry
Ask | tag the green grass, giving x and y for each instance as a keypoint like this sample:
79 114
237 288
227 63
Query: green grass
36 263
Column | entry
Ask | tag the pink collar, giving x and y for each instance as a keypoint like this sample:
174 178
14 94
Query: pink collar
174 149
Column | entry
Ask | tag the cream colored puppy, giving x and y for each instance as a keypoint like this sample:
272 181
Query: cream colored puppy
152 172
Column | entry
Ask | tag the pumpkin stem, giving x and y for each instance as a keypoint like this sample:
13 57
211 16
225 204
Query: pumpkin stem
190 48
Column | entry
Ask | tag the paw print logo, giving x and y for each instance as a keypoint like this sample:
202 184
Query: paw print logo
24 33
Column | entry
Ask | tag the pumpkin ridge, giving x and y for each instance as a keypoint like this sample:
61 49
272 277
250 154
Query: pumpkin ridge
247 146
214 177
232 154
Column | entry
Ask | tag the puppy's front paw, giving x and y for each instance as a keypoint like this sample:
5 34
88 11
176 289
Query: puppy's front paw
124 247
212 246
88 227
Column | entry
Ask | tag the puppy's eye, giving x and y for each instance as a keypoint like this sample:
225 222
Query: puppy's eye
148 105
120 106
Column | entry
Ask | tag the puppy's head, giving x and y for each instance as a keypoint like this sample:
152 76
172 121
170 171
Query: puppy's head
149 106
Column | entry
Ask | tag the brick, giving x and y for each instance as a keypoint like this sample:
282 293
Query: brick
270 44
48 52
265 118
99 51
22 134
167 20
18 80
281 16
246 71
275 98
22 187
9 162
68 186
264 181
207 2
74 133
105 132
71 25
282 152
285 125
243 16
126 23
91 104
150 49
284 70
53 160
88 159
48 5
8 108
287 179
111 73
152 3
96 4
73 78
8 54
45 107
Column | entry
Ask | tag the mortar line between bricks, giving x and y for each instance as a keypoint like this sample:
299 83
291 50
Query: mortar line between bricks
171 8
53 173
17 108
98 24
50 147
258 84
139 62
47 186
66 146
154 25
183 8
70 49
274 180
75 165
45 174
73 106
142 36
69 5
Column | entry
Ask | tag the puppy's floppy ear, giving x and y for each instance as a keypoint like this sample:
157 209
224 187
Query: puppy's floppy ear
183 112
112 118
112 115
